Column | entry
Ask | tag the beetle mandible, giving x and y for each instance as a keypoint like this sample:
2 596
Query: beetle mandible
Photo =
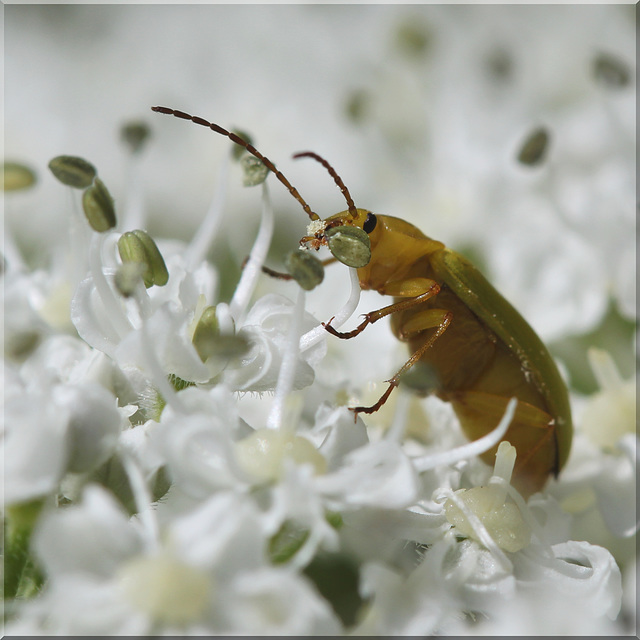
479 347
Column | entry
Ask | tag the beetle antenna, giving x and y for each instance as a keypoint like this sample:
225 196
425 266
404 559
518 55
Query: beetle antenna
249 147
336 178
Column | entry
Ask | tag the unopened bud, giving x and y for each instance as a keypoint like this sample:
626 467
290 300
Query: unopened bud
73 171
138 247
97 205
255 172
305 269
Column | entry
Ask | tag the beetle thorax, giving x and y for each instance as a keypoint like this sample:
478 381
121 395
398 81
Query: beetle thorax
391 238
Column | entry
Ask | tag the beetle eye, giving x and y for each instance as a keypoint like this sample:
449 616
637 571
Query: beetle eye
370 223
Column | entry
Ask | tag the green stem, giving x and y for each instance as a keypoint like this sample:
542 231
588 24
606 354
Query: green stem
21 576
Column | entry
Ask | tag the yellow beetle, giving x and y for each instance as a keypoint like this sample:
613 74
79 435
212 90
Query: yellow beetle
479 347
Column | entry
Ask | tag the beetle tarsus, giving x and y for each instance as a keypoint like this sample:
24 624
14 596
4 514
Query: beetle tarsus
345 335
374 407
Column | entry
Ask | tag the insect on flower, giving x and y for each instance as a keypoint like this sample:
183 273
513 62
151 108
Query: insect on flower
479 349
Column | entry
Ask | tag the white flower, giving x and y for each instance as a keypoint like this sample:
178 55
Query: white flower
277 602
35 446
166 329
52 430
208 576
23 327
600 475
94 424
379 474
198 447
266 328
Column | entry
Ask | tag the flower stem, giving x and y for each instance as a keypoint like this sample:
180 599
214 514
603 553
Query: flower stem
316 334
206 232
252 269
21 576
475 448
288 366
142 498
114 312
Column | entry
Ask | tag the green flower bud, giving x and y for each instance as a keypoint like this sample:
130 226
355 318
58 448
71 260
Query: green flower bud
611 71
208 341
206 334
155 259
535 147
73 171
289 539
413 39
135 134
255 172
16 176
138 247
350 245
231 346
305 269
358 106
97 204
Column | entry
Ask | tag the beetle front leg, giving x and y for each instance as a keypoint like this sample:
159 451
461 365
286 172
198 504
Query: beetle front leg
415 290
438 318
279 275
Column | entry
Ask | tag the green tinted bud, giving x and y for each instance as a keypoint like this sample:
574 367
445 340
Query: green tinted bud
208 341
499 64
231 346
305 269
139 248
284 544
358 105
127 277
97 205
535 147
135 134
238 151
155 259
334 518
73 171
413 39
16 176
255 172
206 334
611 71
350 245
132 251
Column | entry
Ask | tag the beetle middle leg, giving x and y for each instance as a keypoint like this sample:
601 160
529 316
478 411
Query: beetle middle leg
439 319
280 275
415 290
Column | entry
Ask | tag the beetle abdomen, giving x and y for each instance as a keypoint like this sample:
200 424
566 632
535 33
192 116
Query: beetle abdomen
478 374
532 433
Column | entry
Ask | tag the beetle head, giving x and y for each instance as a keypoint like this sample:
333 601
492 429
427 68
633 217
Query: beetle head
346 234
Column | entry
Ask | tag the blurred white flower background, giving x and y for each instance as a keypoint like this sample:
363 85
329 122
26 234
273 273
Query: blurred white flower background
180 459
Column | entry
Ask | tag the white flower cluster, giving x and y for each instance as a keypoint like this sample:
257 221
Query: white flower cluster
139 501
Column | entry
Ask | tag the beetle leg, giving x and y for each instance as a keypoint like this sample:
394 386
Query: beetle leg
415 290
285 276
275 274
438 318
